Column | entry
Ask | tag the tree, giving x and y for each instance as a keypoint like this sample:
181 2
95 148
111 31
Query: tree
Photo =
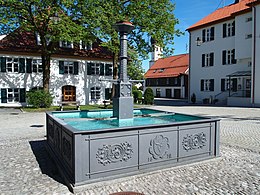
134 68
50 19
151 19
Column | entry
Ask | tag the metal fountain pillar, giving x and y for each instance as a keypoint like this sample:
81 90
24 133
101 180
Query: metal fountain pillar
123 100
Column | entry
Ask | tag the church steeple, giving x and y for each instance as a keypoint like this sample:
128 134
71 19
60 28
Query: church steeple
156 52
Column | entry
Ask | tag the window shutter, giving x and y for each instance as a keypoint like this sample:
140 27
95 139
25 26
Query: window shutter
211 63
61 67
224 56
223 82
21 65
203 60
3 95
203 35
76 68
102 69
211 85
234 61
29 65
22 95
201 85
212 33
233 28
3 64
224 30
89 68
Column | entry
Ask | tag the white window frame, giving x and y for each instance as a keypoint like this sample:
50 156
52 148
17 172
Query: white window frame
68 67
84 46
12 64
13 95
66 44
37 65
95 93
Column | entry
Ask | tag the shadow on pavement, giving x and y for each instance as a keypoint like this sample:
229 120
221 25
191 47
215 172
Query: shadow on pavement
44 160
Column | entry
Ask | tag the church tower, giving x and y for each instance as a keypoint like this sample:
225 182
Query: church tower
156 53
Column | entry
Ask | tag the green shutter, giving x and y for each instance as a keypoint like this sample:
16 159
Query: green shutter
61 67
89 70
224 53
21 65
3 64
223 83
201 85
76 68
3 95
102 69
211 63
22 95
211 85
224 30
203 60
29 65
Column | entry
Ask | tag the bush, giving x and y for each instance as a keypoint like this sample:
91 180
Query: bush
134 88
148 96
193 98
39 99
137 94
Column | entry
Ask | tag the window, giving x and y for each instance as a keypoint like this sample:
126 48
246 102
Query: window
249 19
66 44
208 34
155 71
249 36
227 84
207 59
158 92
12 65
86 46
229 29
207 85
12 95
68 67
228 57
95 93
36 65
161 70
108 69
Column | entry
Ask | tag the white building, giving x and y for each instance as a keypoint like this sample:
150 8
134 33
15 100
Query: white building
224 55
75 71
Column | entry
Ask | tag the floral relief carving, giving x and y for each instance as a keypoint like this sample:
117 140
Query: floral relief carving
196 141
114 153
159 146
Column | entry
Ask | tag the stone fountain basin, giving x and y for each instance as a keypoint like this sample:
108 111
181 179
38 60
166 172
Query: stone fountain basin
88 156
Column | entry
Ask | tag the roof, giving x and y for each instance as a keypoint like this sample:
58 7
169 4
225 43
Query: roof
223 14
240 74
21 41
172 66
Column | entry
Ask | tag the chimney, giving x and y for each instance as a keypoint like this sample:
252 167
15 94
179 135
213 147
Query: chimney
236 1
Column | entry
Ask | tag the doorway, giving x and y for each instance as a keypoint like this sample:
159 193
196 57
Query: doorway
177 93
168 93
68 93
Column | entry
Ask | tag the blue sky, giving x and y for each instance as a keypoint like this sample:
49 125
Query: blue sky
188 13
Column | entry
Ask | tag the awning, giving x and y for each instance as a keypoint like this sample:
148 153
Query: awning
240 74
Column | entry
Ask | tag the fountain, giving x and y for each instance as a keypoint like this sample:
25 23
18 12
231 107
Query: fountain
91 146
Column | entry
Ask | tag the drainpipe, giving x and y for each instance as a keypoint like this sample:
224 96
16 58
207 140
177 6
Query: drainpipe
254 57
189 92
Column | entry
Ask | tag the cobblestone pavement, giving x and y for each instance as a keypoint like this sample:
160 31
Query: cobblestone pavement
26 167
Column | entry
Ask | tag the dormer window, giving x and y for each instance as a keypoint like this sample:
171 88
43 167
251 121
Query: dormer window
66 44
161 70
85 46
38 39
155 71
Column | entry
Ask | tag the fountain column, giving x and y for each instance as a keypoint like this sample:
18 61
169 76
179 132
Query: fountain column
123 100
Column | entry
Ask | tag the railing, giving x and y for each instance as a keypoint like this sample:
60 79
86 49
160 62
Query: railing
240 93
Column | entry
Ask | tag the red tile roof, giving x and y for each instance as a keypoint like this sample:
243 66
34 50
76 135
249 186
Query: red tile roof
169 67
25 42
223 14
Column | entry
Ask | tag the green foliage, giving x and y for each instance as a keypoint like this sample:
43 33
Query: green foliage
148 96
39 99
134 88
193 98
137 94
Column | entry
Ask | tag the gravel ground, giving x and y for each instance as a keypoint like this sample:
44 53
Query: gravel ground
26 167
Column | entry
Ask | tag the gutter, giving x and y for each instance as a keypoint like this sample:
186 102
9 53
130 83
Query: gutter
254 57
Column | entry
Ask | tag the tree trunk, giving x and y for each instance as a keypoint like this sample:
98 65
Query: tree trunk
46 63
115 73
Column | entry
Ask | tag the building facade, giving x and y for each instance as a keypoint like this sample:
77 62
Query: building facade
168 77
223 55
76 70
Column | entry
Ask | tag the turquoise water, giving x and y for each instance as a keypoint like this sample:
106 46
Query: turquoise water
101 113
95 124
